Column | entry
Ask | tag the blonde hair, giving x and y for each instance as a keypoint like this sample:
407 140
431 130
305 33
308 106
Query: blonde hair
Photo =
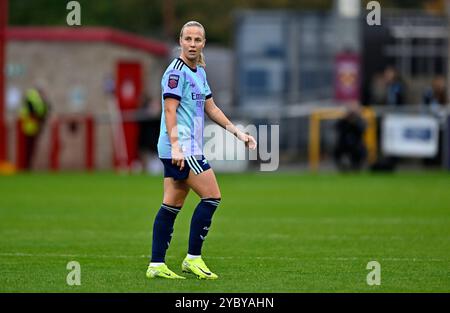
201 57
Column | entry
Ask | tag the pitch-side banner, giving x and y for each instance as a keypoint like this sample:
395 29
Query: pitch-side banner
410 135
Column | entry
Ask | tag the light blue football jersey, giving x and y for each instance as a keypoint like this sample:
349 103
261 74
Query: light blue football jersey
191 88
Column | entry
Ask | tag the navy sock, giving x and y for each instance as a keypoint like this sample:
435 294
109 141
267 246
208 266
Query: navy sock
162 231
200 223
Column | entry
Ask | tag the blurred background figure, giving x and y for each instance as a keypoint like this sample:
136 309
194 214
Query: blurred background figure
435 96
435 101
32 115
148 116
394 87
350 151
377 89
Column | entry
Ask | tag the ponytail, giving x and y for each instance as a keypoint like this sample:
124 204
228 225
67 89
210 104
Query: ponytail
201 60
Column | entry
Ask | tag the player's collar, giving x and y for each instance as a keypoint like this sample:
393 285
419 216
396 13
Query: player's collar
192 69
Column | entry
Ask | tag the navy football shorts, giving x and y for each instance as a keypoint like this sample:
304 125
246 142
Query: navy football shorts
197 164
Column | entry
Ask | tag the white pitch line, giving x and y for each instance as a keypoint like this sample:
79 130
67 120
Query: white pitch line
93 256
105 256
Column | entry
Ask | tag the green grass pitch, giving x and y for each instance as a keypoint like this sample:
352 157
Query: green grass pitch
273 232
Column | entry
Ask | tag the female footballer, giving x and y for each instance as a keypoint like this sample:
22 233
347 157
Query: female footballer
186 97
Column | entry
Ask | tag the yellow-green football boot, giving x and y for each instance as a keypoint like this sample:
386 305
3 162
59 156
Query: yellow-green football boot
162 271
197 267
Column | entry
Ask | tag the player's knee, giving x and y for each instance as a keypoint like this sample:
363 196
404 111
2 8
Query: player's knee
217 194
213 194
179 204
173 202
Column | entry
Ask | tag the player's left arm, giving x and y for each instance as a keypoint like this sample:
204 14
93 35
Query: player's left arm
217 116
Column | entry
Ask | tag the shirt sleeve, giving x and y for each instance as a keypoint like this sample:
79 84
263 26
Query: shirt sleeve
208 92
173 84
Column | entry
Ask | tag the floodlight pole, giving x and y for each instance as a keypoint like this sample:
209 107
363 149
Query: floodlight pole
3 26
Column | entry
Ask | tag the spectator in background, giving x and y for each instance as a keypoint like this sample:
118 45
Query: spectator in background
435 97
387 89
377 90
33 115
395 88
350 152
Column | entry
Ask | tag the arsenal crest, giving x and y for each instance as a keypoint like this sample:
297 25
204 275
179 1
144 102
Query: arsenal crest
173 81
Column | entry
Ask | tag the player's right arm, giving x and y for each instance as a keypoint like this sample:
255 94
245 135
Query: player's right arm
170 113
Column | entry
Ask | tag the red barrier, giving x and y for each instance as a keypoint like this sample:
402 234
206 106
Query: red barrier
55 145
89 143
